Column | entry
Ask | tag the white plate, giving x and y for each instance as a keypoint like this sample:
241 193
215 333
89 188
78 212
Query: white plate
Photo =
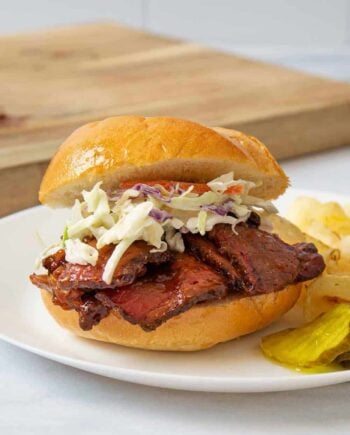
237 366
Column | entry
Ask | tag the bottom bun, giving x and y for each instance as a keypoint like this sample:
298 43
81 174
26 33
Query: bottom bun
201 327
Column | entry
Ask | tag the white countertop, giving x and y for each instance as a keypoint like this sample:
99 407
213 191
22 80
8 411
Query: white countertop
43 397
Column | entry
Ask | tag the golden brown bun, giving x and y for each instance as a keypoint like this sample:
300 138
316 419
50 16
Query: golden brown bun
134 147
201 327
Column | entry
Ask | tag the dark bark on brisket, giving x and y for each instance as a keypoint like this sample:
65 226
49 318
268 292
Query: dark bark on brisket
311 263
265 263
52 262
132 265
254 220
90 310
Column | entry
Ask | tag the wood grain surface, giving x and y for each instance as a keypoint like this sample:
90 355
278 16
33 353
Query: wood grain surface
52 82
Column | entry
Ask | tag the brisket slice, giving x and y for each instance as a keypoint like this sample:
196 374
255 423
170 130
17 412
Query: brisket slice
207 252
44 282
67 299
152 300
265 263
90 310
132 265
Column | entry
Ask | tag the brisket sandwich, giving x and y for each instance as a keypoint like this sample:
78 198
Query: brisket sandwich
170 244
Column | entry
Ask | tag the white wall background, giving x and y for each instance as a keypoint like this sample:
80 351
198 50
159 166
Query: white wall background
313 35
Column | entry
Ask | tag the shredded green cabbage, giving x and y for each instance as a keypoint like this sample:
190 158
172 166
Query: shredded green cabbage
79 252
202 218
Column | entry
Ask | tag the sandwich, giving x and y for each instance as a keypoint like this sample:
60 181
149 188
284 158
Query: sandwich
170 243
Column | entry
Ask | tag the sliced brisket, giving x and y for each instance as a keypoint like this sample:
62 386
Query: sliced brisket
207 252
163 293
132 265
149 288
152 300
265 263
90 310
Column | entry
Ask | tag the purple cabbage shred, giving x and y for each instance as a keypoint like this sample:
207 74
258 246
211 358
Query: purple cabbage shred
159 215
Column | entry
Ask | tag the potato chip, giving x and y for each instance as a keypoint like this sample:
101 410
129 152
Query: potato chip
329 222
286 230
324 292
327 225
337 263
347 209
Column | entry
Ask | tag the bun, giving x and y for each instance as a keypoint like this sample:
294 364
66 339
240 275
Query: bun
201 327
134 147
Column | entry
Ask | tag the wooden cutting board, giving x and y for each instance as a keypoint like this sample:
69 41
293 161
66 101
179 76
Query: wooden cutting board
52 82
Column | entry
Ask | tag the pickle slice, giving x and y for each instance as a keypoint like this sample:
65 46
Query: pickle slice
318 343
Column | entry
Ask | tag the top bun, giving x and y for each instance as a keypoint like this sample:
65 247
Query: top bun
138 148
